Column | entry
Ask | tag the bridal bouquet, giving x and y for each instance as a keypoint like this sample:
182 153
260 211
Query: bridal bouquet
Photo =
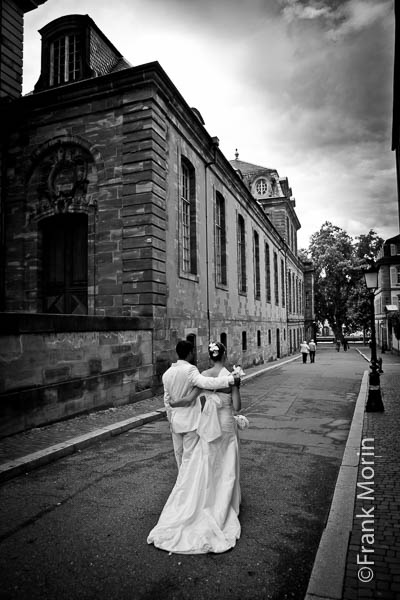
237 371
242 422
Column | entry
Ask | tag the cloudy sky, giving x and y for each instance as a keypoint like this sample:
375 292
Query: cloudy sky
303 86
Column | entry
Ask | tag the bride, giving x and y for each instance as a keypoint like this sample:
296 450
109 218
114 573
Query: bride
201 513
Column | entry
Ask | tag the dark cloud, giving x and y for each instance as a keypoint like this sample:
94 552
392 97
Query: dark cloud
304 86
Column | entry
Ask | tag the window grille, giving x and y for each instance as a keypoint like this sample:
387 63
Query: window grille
257 285
276 278
220 240
241 240
261 187
267 273
188 219
64 60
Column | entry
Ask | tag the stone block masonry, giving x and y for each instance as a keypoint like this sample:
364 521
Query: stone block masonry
143 205
55 367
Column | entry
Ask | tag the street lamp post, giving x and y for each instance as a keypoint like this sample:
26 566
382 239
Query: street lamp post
374 402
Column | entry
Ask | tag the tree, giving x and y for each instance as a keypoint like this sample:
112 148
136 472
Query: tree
366 251
340 295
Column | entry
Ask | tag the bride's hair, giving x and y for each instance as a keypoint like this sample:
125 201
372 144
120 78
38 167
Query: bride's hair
216 351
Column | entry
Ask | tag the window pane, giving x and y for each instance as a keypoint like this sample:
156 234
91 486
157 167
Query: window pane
220 240
188 219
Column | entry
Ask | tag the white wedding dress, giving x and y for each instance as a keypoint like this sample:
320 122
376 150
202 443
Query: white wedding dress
201 513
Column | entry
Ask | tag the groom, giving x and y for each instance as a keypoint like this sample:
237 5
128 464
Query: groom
178 381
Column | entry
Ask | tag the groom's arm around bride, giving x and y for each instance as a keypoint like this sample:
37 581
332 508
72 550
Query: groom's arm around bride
179 381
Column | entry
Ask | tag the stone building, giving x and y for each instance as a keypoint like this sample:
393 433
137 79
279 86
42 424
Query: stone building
274 195
125 228
387 296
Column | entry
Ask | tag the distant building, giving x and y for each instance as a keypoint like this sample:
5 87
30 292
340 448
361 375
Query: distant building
387 296
125 230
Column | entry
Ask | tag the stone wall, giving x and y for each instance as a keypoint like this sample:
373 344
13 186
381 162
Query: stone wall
53 367
11 24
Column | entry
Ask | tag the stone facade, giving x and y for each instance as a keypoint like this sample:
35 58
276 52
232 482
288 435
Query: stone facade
120 206
274 195
52 367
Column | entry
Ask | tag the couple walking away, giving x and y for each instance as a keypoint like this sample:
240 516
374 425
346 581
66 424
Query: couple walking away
201 513
308 349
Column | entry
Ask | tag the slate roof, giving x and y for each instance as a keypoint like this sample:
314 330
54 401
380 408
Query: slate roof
247 168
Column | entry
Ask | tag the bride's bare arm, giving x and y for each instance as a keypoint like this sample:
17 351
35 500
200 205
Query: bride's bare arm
236 401
186 400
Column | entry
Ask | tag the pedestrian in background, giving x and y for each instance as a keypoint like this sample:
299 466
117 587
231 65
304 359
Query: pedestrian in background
313 346
305 350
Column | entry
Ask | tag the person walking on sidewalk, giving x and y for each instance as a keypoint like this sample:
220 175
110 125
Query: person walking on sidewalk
305 350
184 414
313 347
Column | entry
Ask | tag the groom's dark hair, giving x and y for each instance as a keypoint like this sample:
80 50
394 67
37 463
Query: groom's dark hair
183 349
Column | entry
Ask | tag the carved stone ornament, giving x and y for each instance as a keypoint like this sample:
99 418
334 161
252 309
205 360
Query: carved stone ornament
63 182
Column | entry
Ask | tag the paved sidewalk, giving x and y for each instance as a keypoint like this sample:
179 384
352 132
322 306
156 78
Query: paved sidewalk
359 552
375 536
25 451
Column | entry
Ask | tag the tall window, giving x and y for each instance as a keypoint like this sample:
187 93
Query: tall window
283 282
191 337
290 292
65 60
301 296
288 231
257 286
276 278
220 240
267 274
244 341
294 292
64 264
223 340
298 295
241 241
188 219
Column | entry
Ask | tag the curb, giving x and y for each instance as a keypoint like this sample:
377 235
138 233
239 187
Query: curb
327 576
27 463
363 355
275 366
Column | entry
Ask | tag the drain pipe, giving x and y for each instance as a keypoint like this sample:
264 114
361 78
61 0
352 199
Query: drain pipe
214 146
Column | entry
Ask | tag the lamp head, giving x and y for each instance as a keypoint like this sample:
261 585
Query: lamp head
371 278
